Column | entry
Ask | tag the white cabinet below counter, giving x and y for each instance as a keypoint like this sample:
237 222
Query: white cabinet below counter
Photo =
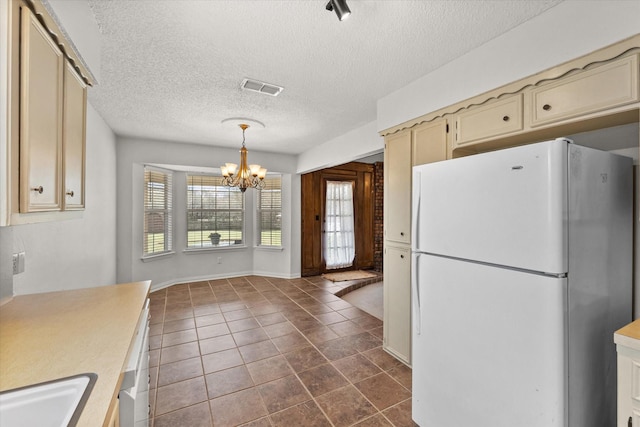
397 302
627 341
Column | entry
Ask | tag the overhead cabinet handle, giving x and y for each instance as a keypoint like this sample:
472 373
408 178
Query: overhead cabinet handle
38 190
546 107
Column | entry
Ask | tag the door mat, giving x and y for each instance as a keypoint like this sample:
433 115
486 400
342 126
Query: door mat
348 275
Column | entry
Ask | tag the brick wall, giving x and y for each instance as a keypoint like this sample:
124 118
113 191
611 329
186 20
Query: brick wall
378 216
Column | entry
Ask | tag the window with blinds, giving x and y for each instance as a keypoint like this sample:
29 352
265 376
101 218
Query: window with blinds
215 213
157 211
269 212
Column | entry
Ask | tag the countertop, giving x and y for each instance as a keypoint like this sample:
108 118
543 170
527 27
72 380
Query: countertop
59 334
629 335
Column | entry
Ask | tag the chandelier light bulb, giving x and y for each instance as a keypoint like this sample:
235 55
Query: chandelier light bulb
254 169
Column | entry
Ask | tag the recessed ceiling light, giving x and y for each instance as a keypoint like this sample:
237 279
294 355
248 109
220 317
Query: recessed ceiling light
261 87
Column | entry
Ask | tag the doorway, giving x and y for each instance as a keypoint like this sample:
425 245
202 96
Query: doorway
361 178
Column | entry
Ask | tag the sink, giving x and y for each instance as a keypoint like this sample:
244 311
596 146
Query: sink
52 403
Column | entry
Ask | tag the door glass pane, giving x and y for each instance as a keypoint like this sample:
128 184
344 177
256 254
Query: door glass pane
339 236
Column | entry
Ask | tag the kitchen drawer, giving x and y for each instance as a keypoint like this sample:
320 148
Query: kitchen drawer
489 121
608 86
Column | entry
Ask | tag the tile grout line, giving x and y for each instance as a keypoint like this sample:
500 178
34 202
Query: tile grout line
248 305
349 383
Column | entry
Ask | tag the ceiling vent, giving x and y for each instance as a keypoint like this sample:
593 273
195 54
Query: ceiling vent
261 87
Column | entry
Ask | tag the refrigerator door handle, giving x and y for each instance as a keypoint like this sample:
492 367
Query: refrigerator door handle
415 279
415 210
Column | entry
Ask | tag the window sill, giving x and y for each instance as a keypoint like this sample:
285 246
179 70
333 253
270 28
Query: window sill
191 251
150 258
269 248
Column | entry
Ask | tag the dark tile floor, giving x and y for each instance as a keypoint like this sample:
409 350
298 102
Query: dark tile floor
259 351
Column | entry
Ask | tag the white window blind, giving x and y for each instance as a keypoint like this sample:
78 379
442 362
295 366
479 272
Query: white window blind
158 212
269 212
215 213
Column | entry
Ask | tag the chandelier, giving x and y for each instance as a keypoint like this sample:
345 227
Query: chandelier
246 176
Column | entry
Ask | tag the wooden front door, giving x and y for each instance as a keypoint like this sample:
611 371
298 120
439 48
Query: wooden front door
313 188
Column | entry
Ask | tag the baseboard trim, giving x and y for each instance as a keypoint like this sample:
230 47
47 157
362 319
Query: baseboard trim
162 285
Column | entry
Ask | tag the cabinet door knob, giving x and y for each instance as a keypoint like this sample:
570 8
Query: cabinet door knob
505 118
402 233
38 190
546 107
630 422
401 256
70 193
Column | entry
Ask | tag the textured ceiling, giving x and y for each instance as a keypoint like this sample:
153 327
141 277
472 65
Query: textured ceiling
171 70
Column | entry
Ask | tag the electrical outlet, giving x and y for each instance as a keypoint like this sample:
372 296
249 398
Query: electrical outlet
21 256
18 263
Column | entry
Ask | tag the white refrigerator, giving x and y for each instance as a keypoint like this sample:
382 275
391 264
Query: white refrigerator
521 272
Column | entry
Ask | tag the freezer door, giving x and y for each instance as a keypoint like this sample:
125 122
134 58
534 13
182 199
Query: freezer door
488 346
507 207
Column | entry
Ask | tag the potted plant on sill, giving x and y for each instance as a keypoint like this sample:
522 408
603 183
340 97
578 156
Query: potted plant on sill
215 238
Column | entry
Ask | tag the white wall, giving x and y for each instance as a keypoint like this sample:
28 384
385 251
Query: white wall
360 142
289 259
6 233
6 269
182 266
562 33
76 253
80 26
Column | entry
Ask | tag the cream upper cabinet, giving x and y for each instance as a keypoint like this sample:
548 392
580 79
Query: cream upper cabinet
397 187
602 88
493 120
74 130
397 302
53 100
595 91
41 76
429 142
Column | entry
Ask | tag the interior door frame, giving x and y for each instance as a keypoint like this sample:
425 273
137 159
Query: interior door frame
313 193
